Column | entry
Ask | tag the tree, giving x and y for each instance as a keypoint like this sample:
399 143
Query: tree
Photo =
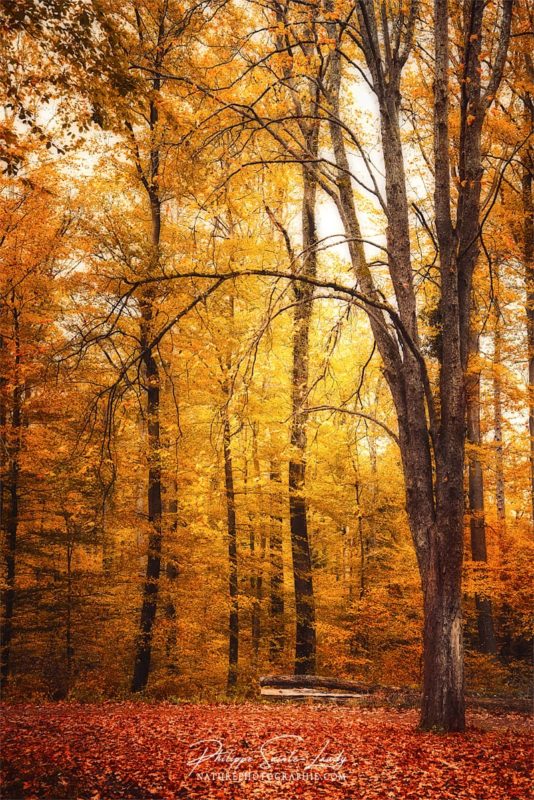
431 425
528 246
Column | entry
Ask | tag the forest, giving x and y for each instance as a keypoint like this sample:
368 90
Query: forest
266 355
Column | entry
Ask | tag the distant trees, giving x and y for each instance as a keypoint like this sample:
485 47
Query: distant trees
31 245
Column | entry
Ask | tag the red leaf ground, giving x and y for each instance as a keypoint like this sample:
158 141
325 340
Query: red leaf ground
138 751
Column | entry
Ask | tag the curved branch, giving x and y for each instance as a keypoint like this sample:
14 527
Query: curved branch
382 425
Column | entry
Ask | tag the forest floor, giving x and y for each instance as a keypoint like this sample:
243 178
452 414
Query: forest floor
137 751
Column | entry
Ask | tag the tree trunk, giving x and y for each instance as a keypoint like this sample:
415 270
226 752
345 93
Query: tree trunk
233 622
305 638
371 534
108 545
277 634
477 522
497 404
14 446
171 573
528 249
153 567
69 649
258 554
443 703
151 182
443 683
361 538
254 615
363 544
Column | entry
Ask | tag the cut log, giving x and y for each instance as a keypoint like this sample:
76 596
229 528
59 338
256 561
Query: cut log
307 694
311 685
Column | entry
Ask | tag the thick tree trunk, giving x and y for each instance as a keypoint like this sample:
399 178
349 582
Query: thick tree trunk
305 639
233 621
477 522
443 703
277 633
443 681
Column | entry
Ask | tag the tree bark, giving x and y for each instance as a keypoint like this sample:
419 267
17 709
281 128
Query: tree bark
14 446
171 573
258 554
150 179
233 621
528 250
443 682
362 539
277 633
305 637
153 387
500 496
69 649
153 566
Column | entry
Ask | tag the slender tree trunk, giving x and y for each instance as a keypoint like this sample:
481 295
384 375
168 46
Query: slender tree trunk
359 523
254 616
277 634
371 535
361 539
305 639
171 573
528 249
233 622
477 522
68 622
10 557
258 554
108 545
255 578
255 586
3 416
14 446
150 179
153 566
143 653
500 497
